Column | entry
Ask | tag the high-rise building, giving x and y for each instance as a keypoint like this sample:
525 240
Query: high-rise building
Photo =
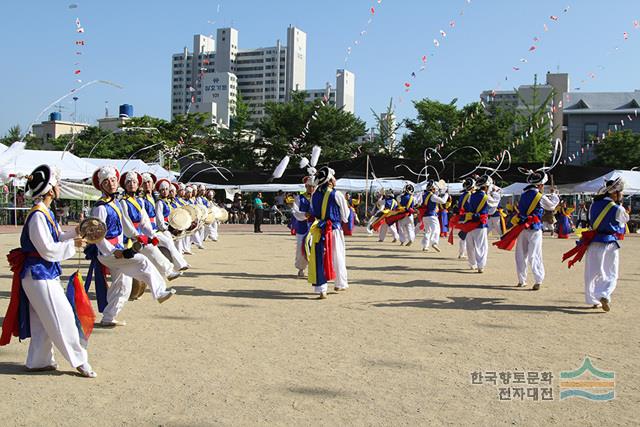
263 74
342 95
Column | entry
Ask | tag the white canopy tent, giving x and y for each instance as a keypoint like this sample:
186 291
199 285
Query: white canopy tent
71 167
631 179
343 184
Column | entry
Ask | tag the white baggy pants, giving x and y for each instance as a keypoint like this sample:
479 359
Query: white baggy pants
301 257
529 253
431 231
122 270
213 231
600 271
407 229
166 241
382 234
339 263
162 264
477 247
462 248
52 323
196 238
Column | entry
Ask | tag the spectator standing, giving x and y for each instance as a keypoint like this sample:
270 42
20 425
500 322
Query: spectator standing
258 212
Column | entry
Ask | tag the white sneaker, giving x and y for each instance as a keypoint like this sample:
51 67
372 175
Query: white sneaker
174 275
86 371
169 294
113 323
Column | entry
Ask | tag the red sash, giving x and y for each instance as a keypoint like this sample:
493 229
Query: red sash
454 221
329 272
10 325
580 249
508 240
422 210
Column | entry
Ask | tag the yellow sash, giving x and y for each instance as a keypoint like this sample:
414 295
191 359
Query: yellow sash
314 236
468 216
47 214
534 203
465 199
114 206
427 199
134 202
602 215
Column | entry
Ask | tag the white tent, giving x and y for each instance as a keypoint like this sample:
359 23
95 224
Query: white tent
343 184
76 191
2 147
514 189
137 165
71 167
631 179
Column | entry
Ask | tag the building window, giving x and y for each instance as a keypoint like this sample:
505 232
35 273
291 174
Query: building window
590 132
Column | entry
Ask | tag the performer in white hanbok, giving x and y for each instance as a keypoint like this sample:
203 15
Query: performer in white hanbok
607 219
123 263
303 218
430 202
327 257
38 307
475 222
528 231
190 198
406 225
133 208
386 205
165 239
213 227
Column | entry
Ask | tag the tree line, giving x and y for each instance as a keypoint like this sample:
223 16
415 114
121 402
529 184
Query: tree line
247 146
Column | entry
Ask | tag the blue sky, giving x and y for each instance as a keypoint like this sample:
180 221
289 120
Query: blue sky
131 42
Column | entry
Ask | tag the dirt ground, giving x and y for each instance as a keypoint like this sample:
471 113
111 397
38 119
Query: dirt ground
244 343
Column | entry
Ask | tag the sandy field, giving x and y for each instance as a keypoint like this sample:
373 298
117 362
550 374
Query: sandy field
244 342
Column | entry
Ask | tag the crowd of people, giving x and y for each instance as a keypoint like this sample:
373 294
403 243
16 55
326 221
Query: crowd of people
135 236
122 239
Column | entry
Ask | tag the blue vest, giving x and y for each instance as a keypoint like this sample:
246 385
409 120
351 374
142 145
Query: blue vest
302 227
333 210
523 206
462 196
608 226
431 205
151 210
40 268
114 225
390 202
472 205
166 209
134 214
404 201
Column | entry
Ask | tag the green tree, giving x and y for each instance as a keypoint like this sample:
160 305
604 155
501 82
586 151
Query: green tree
335 130
620 150
434 123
